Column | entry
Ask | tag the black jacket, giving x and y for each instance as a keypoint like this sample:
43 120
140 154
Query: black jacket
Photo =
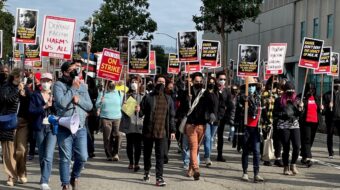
148 110
289 112
215 105
228 112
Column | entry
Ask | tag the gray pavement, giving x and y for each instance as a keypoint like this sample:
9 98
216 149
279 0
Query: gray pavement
103 175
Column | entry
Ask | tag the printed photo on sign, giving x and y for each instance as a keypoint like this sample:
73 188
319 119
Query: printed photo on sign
173 64
153 65
16 52
110 67
248 60
139 56
335 65
310 53
57 40
187 46
276 58
192 67
325 61
123 49
26 26
1 42
209 53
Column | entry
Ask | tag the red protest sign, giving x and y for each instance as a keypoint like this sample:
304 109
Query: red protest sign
193 67
153 66
110 67
310 53
58 37
209 53
325 61
173 64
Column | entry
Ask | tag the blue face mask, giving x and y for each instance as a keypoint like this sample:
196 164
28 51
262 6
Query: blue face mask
252 89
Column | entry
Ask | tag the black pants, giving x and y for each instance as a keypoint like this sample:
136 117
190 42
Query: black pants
134 147
167 143
159 153
220 140
331 125
32 141
92 126
287 136
277 142
308 131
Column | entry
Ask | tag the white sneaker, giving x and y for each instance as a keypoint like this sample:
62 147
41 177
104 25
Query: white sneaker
245 177
45 186
331 157
208 162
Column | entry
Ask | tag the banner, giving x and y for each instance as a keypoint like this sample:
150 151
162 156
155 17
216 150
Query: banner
325 61
32 55
310 53
16 52
173 64
187 50
58 37
248 63
276 58
1 42
110 67
123 49
139 57
26 23
191 67
334 65
209 53
153 63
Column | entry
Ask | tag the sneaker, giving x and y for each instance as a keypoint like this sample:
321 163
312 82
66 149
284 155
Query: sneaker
245 177
220 159
23 180
10 181
278 163
197 175
258 178
92 155
137 168
208 162
267 163
130 167
66 187
160 182
309 163
303 161
116 158
331 157
45 186
74 183
146 177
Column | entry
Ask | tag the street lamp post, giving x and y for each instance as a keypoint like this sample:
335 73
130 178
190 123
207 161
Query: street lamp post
161 33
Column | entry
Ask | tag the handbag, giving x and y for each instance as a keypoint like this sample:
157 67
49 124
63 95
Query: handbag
185 118
268 147
8 122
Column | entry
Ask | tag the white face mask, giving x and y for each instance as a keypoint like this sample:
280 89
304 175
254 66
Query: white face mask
221 82
134 86
46 86
78 70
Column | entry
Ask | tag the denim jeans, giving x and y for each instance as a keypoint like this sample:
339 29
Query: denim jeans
46 142
251 141
210 132
186 151
71 145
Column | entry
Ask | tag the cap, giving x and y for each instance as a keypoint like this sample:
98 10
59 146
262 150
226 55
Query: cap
65 66
47 76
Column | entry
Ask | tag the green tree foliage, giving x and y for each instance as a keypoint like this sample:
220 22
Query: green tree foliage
161 57
225 16
119 18
6 24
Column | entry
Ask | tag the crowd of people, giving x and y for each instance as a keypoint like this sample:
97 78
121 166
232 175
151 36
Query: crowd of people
194 111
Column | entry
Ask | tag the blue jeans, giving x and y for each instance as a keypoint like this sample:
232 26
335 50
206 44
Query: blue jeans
71 146
251 141
186 151
46 143
210 132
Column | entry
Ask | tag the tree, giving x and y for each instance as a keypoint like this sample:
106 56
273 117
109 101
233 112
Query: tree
119 18
161 57
223 17
6 25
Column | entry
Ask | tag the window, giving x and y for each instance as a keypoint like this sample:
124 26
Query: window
303 31
330 26
316 28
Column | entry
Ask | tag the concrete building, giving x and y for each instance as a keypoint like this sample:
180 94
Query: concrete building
289 21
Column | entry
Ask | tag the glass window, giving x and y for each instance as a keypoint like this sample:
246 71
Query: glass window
330 26
316 28
302 31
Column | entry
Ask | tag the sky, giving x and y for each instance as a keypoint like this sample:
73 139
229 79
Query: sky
171 16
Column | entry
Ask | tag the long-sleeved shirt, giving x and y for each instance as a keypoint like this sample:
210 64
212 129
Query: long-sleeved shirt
111 106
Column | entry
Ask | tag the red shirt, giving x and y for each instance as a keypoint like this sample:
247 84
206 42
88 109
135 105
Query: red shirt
312 111
253 122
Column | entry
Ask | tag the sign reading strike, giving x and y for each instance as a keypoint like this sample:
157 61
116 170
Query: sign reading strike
110 67
58 37
173 64
248 60
334 65
310 53
209 53
325 61
276 58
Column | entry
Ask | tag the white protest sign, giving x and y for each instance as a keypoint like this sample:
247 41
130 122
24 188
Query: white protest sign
276 57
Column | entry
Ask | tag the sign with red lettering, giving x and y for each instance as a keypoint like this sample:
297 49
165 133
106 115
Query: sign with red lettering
173 64
58 37
209 53
310 53
153 66
110 67
191 67
325 61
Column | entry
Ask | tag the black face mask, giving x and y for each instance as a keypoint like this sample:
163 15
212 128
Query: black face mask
159 88
67 80
74 73
290 94
198 86
3 77
234 91
211 86
336 88
149 87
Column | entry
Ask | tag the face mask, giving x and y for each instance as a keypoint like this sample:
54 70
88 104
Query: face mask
134 86
290 94
211 86
3 77
222 82
46 86
336 88
252 89
78 70
234 91
159 87
149 87
73 74
198 86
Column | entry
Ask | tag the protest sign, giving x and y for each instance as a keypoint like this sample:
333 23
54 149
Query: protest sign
26 23
310 53
139 57
16 52
187 50
209 53
153 65
123 49
1 42
334 65
325 61
173 64
58 37
110 67
32 55
192 67
276 58
248 60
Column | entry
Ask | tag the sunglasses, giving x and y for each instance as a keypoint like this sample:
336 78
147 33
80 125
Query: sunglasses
222 79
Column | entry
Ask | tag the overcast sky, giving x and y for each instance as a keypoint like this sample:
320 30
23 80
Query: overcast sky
171 15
